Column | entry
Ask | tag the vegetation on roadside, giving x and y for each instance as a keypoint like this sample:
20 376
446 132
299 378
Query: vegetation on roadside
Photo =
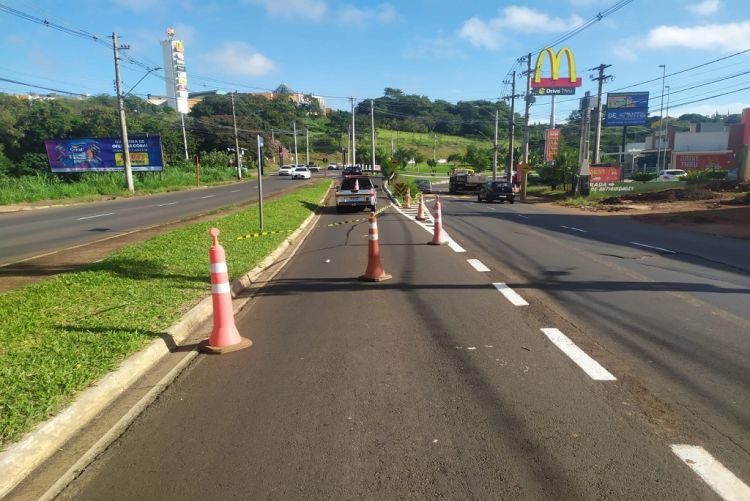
60 335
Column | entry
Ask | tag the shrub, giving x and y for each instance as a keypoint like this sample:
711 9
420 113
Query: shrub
644 177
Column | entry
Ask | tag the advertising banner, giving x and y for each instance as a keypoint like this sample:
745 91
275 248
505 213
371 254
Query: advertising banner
606 187
552 144
104 154
626 108
555 84
693 161
605 174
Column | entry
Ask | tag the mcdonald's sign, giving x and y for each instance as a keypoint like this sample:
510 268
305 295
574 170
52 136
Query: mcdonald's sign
555 85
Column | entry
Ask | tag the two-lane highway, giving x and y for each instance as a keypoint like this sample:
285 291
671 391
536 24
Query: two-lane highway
668 309
29 233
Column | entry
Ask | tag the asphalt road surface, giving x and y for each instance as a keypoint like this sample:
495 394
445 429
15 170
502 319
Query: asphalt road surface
25 234
554 366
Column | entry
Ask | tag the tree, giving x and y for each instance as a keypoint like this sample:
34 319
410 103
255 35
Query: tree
479 158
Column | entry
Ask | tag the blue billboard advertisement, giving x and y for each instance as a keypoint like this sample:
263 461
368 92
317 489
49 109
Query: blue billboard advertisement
104 154
626 108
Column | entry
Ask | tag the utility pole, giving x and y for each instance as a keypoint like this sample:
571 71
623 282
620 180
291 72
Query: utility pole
511 143
584 171
260 179
354 142
372 123
296 157
273 147
666 132
598 137
348 146
494 148
552 114
307 145
661 116
123 121
237 154
528 98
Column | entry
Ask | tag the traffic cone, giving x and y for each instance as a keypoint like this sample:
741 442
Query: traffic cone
408 199
374 272
420 212
224 336
356 185
437 234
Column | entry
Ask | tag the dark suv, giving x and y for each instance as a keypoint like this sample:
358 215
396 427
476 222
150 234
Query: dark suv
496 190
352 170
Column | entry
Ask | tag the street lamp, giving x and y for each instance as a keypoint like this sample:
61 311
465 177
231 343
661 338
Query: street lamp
661 116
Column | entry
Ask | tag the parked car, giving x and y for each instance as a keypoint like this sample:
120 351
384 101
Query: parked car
424 185
301 172
286 170
671 175
496 190
356 192
313 167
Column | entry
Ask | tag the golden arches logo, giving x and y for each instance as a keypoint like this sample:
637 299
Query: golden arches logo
555 59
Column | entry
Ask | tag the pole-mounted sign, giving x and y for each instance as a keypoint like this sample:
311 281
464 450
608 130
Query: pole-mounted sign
555 85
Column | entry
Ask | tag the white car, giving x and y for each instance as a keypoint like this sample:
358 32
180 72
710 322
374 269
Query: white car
301 172
671 175
286 170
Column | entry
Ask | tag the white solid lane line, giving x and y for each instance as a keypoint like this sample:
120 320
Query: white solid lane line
477 265
164 205
585 362
209 196
574 229
652 247
510 294
97 215
454 246
722 481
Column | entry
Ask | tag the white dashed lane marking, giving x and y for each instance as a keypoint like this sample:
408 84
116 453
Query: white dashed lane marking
164 205
234 191
510 294
585 362
716 475
652 247
208 196
478 265
574 229
97 215
521 215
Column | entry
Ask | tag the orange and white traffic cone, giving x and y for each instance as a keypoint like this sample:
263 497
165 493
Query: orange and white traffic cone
437 234
374 272
420 212
408 199
224 336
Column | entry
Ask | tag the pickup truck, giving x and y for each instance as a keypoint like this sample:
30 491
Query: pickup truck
356 192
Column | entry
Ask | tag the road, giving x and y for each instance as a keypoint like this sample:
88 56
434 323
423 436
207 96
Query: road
26 234
440 383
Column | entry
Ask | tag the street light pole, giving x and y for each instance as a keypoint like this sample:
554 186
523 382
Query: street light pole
237 154
494 148
666 131
294 127
123 122
661 116
354 143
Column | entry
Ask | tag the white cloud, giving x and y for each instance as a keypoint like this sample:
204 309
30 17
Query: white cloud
724 37
438 47
309 9
383 13
516 18
704 8
239 58
624 51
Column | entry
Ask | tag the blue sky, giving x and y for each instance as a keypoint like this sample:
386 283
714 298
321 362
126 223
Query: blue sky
337 48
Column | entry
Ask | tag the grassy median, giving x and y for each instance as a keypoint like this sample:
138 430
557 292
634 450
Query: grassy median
60 335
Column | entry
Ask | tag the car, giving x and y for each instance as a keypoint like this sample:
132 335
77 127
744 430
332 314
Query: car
352 170
313 167
286 170
333 166
496 190
671 175
356 192
424 185
301 172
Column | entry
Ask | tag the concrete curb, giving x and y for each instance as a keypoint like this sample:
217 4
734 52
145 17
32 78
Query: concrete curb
20 459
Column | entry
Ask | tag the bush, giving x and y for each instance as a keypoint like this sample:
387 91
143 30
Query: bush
644 177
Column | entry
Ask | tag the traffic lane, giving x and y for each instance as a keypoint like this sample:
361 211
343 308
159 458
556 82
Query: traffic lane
691 356
428 385
708 278
30 233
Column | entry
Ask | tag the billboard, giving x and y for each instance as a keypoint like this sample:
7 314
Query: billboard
173 53
104 154
554 85
552 144
703 161
626 108
605 174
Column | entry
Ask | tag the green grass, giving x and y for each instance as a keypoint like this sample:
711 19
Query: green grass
93 185
60 335
424 142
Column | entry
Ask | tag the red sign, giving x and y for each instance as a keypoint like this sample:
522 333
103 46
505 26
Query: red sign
605 174
698 161
552 137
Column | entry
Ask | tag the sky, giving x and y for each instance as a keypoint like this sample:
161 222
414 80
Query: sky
441 49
